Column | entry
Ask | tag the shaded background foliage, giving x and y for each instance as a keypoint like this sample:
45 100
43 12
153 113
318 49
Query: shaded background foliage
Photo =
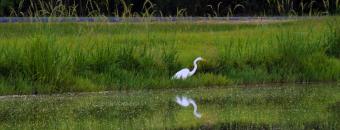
167 7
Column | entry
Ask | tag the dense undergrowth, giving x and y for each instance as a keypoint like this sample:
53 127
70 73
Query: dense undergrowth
63 57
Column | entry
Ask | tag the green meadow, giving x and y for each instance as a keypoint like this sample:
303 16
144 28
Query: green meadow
40 58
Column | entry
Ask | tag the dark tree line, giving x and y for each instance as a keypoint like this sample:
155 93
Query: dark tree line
167 7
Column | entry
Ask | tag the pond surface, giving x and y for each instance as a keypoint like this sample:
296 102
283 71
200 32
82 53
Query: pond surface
234 107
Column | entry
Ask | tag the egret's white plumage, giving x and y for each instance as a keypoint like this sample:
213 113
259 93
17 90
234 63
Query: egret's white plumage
185 73
185 102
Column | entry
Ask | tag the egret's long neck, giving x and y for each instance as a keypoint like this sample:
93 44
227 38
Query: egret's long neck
195 68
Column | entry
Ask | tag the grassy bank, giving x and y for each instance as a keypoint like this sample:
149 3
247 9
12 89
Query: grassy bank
63 57
275 107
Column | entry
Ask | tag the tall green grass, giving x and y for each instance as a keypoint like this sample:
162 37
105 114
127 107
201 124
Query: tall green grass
63 57
333 46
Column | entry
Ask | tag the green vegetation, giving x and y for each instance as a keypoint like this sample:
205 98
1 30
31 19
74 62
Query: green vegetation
263 107
75 57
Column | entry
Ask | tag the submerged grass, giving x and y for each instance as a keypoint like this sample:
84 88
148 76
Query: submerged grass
63 57
265 107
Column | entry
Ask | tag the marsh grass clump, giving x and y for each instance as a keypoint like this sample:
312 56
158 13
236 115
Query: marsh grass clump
126 60
170 60
333 41
291 57
46 62
101 58
39 63
292 51
11 58
304 59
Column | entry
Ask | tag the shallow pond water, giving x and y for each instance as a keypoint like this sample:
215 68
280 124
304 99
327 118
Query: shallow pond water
234 107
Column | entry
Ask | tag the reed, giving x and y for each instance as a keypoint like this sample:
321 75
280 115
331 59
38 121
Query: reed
122 8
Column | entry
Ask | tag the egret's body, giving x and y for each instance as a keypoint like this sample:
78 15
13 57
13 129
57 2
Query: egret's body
185 73
182 74
185 102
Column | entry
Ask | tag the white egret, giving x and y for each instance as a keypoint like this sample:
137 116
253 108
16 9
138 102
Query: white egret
185 73
185 102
